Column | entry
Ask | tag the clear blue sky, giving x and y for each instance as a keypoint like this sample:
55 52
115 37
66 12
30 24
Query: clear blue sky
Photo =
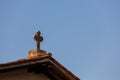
83 35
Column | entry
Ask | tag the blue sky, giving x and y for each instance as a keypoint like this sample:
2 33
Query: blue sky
83 35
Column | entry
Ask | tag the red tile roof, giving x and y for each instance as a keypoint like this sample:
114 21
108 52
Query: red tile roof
44 57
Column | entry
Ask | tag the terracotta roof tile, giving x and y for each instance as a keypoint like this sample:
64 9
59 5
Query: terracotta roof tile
25 60
62 69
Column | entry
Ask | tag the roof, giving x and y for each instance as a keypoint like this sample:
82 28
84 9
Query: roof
39 61
52 67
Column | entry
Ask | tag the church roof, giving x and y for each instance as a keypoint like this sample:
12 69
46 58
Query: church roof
55 69
39 61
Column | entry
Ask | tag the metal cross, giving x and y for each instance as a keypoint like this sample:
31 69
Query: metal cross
38 38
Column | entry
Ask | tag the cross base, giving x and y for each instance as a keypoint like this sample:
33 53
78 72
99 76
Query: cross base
35 53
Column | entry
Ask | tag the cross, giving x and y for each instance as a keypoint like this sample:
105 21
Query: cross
38 38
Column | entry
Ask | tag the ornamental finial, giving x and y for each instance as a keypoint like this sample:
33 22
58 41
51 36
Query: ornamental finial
37 52
38 38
